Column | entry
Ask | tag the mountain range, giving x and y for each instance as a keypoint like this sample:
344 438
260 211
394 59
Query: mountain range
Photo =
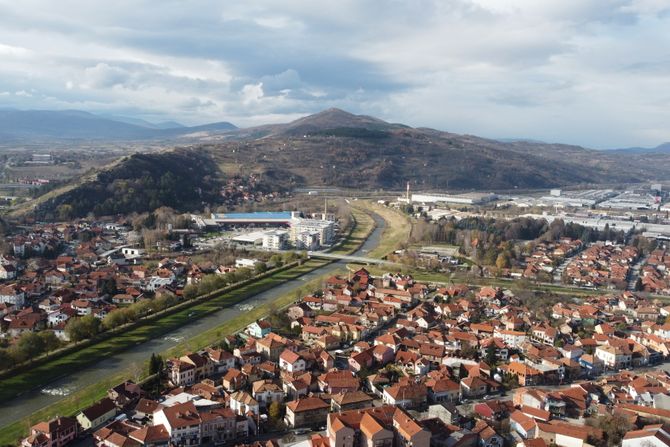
356 152
660 149
39 125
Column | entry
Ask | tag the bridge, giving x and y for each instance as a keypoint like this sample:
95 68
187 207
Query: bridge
348 258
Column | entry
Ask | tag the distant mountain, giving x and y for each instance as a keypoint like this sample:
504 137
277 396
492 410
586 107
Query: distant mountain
337 148
660 149
76 125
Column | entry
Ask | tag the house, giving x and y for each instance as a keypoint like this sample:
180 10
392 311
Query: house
338 381
526 374
97 414
126 394
614 357
525 426
657 435
182 422
306 412
259 329
511 338
473 387
385 426
565 435
234 380
222 425
12 294
443 390
291 362
242 403
55 433
151 436
409 395
182 373
221 360
270 347
350 400
266 391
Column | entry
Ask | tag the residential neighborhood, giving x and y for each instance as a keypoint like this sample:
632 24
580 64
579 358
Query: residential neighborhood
396 361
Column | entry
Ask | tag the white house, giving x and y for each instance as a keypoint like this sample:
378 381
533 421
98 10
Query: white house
11 294
649 436
291 362
242 403
182 422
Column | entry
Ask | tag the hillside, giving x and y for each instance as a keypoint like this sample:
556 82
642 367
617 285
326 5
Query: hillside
336 148
39 125
181 179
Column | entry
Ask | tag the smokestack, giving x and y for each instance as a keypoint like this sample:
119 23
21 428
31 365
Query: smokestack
325 208
407 192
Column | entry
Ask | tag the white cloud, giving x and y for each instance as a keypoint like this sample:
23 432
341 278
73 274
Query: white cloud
581 71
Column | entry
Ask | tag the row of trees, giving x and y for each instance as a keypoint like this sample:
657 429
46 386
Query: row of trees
29 346
137 310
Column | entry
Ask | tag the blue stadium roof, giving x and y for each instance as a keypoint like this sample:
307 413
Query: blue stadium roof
257 215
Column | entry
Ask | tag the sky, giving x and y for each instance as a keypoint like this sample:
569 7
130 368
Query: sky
588 72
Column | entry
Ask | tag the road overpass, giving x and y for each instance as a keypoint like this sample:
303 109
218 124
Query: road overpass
349 258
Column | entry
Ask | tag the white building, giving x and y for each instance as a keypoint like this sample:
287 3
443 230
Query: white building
324 230
649 436
275 240
466 199
245 262
132 253
306 240
182 422
11 294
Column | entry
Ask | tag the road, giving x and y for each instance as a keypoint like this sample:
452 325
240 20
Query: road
634 273
348 258
30 402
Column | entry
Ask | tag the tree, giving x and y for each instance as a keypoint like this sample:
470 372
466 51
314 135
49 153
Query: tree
275 411
503 260
50 341
79 329
65 211
490 357
260 267
155 364
639 287
30 345
614 427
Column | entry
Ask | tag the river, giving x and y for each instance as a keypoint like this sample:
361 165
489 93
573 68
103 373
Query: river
32 401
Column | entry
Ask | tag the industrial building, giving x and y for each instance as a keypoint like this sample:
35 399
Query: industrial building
474 198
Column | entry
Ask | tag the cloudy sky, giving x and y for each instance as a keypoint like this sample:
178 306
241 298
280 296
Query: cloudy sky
591 72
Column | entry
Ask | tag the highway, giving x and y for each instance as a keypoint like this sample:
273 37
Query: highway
32 401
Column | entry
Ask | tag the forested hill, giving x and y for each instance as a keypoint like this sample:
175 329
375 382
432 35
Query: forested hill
183 179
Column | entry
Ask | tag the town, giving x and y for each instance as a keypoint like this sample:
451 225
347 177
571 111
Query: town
480 331
392 360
